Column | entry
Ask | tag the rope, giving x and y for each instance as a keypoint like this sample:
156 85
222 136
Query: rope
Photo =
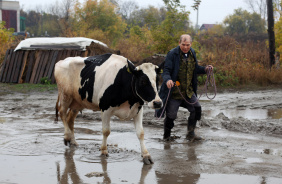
210 80
164 106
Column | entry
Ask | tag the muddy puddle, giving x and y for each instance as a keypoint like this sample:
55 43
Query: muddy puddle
247 113
242 132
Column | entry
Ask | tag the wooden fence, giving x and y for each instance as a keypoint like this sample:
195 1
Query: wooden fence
29 66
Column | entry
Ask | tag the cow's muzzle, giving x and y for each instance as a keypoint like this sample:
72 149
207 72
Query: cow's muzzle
157 104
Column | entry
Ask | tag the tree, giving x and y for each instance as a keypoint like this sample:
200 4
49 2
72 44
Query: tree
243 22
98 15
175 24
278 35
126 8
258 6
137 44
62 17
256 24
149 17
278 32
6 39
271 36
196 4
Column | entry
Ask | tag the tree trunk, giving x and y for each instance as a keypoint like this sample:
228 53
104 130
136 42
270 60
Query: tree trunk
271 36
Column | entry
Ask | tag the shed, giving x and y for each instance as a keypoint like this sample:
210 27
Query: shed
35 58
207 26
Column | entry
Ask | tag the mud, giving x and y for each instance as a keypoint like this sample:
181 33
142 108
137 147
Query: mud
242 132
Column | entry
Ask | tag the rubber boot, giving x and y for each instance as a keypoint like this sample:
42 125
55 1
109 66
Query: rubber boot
191 136
168 125
167 133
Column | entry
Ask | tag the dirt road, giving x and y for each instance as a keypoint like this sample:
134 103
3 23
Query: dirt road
242 131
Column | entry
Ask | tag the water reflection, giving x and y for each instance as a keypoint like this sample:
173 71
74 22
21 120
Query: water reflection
70 173
144 173
104 164
70 169
187 159
235 179
172 154
275 113
246 113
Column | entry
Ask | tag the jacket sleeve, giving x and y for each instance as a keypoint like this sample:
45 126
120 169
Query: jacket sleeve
168 67
199 69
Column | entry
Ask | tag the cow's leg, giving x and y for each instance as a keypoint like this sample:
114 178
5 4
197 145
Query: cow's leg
65 102
57 107
140 134
106 117
70 120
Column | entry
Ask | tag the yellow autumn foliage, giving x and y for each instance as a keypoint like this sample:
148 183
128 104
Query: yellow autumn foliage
6 40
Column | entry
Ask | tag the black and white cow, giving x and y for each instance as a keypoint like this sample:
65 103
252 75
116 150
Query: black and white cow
108 83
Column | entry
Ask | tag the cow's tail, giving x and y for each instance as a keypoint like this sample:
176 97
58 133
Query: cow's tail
57 107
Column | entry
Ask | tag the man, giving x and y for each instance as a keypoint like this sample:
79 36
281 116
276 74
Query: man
181 69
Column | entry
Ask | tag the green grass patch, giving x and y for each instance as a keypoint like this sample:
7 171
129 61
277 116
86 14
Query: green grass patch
26 87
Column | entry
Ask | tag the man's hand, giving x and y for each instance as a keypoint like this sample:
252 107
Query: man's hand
209 66
169 84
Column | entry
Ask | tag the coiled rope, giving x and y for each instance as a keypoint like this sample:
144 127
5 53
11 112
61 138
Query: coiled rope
209 81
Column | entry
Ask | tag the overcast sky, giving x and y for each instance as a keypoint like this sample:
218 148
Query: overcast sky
210 11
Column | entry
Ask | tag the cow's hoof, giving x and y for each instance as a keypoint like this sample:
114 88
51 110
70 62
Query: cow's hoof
67 142
104 155
147 160
70 143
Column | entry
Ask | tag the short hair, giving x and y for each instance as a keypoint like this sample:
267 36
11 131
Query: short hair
184 38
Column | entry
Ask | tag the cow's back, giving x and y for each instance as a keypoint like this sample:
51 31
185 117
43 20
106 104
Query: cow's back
85 79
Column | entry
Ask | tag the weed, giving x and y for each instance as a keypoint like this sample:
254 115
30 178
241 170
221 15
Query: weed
45 80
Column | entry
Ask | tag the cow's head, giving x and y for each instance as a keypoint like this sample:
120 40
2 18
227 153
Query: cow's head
145 86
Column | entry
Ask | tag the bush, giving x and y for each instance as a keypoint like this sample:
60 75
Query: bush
45 80
6 40
237 62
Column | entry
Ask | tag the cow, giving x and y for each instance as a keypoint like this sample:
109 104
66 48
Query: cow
108 83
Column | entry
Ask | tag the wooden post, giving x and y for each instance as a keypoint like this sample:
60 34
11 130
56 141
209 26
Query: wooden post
11 66
52 64
270 31
18 63
5 65
42 67
34 71
30 66
23 67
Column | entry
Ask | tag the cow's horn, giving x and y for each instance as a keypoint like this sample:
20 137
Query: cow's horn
131 67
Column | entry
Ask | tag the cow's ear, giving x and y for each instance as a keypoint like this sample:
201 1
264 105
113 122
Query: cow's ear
130 67
159 70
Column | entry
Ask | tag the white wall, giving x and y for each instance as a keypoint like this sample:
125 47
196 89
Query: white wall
11 5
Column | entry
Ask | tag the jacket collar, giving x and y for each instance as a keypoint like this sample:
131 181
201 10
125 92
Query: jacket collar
176 50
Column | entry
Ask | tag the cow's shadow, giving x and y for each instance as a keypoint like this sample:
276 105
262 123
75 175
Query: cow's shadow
70 170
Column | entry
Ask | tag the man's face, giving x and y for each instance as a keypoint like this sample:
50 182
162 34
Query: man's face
185 45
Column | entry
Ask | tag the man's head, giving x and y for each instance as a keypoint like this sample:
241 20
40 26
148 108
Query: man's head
185 43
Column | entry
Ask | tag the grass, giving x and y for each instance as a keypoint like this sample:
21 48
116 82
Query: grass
26 88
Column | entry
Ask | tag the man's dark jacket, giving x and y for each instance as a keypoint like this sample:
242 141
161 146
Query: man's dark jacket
171 69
